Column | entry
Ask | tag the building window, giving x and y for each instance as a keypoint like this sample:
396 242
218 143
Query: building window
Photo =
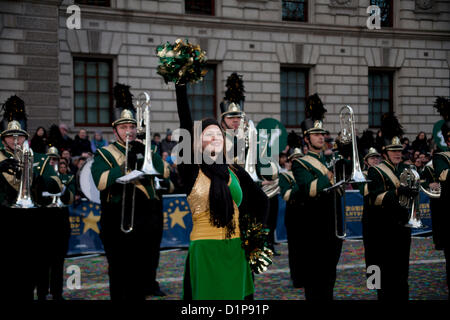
295 10
202 96
199 7
103 3
380 95
386 14
294 90
92 91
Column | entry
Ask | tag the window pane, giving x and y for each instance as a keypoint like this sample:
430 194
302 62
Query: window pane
104 116
104 3
104 101
293 95
386 10
380 95
103 69
78 68
91 69
202 96
294 10
79 100
79 84
199 6
104 85
79 115
94 98
92 84
92 116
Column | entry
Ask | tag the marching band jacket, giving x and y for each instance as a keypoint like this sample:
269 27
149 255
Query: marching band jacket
441 236
108 166
44 179
383 183
310 173
288 187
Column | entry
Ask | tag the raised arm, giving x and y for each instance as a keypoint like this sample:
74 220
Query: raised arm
184 112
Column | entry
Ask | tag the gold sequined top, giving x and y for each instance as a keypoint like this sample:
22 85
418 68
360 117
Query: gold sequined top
199 203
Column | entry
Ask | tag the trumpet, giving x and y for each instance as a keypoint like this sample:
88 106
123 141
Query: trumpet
25 157
410 178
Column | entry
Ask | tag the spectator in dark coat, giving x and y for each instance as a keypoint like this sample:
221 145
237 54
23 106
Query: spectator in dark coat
421 144
167 144
81 143
66 141
39 141
157 142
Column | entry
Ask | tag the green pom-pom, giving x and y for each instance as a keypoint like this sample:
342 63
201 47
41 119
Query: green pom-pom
181 62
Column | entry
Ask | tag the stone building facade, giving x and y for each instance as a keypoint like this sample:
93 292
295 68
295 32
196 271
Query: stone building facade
334 45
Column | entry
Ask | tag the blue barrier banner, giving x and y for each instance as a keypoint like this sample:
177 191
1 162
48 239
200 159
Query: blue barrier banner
354 210
280 231
84 217
177 221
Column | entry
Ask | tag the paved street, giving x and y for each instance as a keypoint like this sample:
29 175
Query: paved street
426 277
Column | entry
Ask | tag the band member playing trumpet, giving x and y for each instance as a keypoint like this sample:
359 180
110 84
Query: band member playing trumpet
387 239
24 177
132 219
322 248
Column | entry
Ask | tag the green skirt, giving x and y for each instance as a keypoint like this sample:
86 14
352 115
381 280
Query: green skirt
217 270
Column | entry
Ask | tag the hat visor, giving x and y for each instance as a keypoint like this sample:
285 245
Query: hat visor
394 147
316 130
52 155
295 155
230 114
375 154
7 133
123 121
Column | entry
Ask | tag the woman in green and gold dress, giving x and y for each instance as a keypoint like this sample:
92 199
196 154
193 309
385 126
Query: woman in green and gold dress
222 199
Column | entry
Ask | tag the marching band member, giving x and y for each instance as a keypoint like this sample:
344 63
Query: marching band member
441 219
57 234
28 237
371 159
387 238
290 192
322 248
132 257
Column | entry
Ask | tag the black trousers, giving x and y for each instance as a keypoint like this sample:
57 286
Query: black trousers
447 268
272 219
292 222
132 257
53 237
387 245
21 250
322 249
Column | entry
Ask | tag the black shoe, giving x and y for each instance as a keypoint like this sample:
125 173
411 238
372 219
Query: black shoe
158 293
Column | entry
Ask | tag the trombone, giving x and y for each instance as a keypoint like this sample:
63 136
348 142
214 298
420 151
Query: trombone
124 192
348 135
142 105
